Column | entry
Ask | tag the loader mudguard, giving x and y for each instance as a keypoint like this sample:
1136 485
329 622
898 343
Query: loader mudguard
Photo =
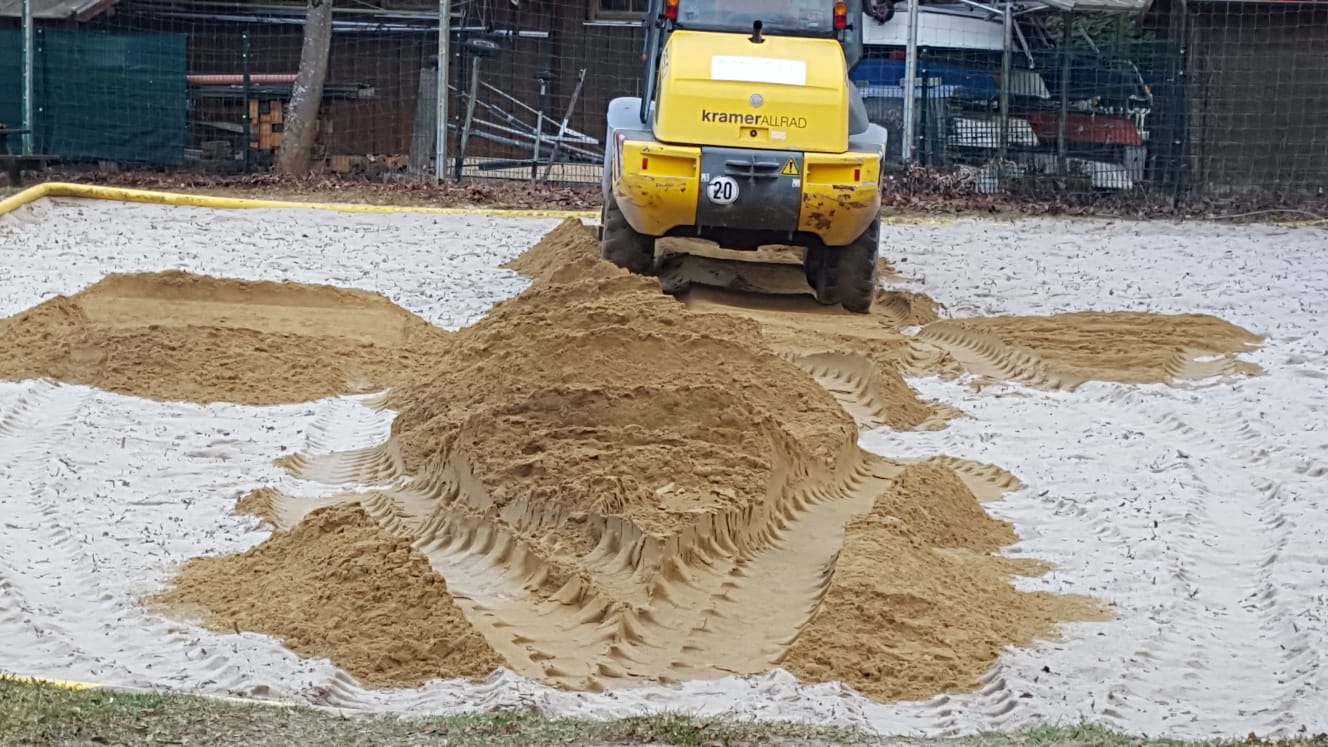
653 183
623 114
841 192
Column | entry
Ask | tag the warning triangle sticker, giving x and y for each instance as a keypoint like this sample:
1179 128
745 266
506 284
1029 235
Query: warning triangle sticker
790 168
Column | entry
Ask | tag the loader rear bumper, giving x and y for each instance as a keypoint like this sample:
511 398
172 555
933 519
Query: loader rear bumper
841 196
656 185
669 189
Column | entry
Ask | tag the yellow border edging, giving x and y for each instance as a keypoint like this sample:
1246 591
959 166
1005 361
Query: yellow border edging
62 684
124 194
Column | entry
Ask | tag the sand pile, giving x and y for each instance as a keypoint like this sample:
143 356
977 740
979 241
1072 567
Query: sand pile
338 586
567 253
1066 350
573 406
177 336
860 358
918 605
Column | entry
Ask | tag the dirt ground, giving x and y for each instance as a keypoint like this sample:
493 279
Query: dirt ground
641 488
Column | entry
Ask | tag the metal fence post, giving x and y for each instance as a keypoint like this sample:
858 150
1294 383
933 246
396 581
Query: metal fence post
910 82
1006 66
29 68
248 121
444 62
1067 37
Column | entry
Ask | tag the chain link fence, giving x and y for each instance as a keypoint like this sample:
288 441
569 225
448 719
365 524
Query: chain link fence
1165 100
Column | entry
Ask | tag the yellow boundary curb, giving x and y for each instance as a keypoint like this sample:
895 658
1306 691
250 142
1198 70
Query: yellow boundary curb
124 194
62 684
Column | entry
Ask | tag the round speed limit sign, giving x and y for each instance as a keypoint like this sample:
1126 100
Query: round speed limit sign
722 190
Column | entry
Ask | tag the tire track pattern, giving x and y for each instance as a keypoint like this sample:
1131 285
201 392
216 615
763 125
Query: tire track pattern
99 535
1260 592
545 625
637 600
1204 539
34 419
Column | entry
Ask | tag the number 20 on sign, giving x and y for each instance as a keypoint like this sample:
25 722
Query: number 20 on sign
722 190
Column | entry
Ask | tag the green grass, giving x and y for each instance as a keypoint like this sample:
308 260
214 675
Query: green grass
1088 735
33 713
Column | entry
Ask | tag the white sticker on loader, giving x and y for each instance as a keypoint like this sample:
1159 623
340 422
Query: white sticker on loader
758 70
722 190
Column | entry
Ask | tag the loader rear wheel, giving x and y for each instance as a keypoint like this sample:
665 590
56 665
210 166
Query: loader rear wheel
622 245
846 275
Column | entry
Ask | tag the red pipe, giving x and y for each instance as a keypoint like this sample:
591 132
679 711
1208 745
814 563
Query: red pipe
222 79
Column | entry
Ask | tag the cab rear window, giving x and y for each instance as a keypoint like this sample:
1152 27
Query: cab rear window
809 17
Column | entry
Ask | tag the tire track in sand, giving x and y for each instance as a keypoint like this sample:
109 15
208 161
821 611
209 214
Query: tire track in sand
43 563
857 385
1225 592
334 455
1231 432
649 613
693 619
986 355
50 561
347 423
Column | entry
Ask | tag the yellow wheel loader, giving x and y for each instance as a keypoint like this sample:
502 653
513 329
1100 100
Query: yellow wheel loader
749 133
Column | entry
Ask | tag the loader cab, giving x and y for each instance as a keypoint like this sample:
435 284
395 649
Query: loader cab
789 18
821 19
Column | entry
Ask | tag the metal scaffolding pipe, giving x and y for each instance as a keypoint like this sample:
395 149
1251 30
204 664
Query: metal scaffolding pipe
233 79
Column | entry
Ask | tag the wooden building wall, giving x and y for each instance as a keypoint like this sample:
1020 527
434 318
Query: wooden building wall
391 62
1258 96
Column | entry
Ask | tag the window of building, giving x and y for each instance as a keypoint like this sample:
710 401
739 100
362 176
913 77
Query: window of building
618 10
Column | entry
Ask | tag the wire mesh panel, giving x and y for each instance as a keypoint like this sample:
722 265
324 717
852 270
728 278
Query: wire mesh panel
1256 97
1097 99
1167 99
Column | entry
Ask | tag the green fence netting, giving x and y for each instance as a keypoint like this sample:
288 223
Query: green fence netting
100 95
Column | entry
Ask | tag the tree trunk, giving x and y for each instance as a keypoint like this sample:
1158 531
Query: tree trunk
297 138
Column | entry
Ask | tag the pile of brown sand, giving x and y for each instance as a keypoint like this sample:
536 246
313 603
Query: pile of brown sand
585 398
582 400
591 398
917 604
338 586
567 253
792 325
177 336
1069 349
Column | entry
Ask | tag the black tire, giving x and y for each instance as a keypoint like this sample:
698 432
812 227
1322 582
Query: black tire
622 245
846 275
